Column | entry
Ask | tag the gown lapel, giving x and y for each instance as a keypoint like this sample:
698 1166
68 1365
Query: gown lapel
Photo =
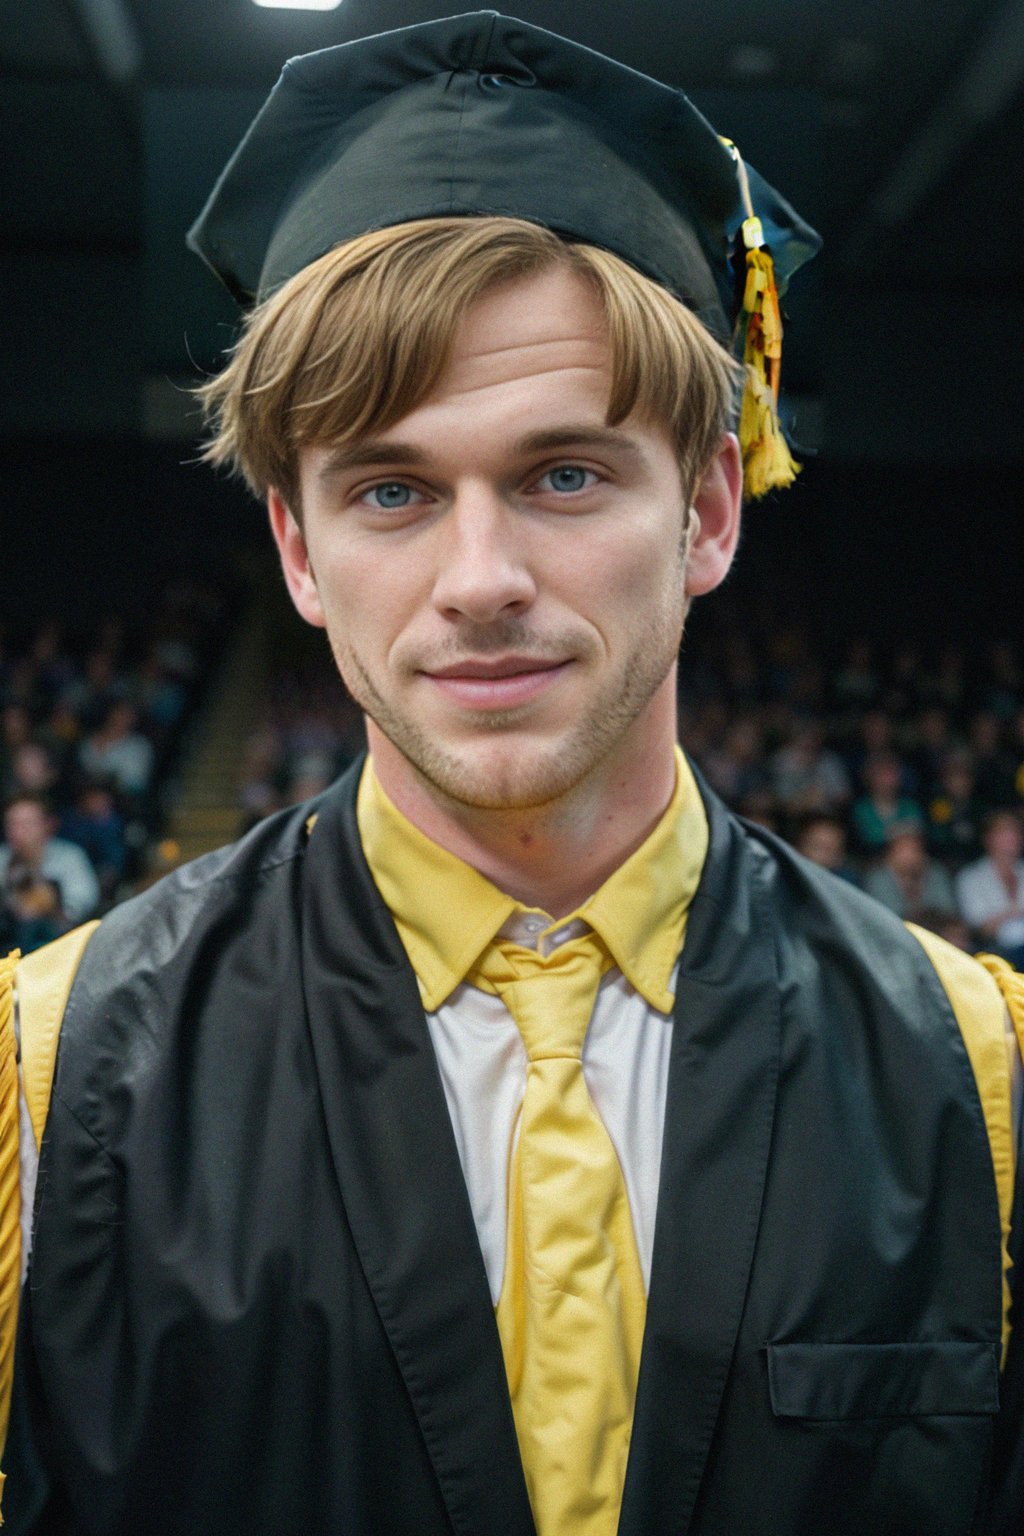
401 1180
723 1079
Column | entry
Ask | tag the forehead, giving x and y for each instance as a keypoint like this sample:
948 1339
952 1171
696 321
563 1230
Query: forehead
548 326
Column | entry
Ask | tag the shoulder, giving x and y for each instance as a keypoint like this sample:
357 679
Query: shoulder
975 995
150 928
109 990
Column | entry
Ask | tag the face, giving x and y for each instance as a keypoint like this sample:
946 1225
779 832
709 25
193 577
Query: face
905 854
1004 840
882 776
504 577
25 829
824 844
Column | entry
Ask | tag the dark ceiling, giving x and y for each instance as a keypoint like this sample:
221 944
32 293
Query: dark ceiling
896 125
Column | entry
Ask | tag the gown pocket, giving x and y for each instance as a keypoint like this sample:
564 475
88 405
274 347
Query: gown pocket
880 1381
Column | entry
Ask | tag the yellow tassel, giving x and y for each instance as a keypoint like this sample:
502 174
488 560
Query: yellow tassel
1011 985
767 461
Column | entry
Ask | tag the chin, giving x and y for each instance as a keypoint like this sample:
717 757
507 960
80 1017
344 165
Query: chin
507 775
497 778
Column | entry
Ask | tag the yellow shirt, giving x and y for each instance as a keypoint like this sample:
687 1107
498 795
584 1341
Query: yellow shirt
446 913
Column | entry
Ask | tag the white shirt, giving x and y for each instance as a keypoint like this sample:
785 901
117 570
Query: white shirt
983 896
482 1061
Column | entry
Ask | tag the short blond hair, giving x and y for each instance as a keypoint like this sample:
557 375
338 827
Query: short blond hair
362 336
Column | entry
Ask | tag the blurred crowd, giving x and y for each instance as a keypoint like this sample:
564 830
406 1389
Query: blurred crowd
901 768
310 733
89 728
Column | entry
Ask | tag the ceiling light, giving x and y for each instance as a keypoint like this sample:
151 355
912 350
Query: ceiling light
301 5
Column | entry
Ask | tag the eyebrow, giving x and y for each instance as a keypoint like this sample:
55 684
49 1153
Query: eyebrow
372 451
574 435
581 436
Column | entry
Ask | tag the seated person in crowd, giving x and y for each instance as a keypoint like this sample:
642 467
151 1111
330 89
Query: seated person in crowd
884 804
956 811
30 914
807 776
97 826
991 890
907 881
119 752
822 839
31 849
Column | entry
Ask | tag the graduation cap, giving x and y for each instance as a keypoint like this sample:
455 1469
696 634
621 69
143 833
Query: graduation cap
482 114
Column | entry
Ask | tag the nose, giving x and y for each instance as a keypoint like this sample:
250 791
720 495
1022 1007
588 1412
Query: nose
483 571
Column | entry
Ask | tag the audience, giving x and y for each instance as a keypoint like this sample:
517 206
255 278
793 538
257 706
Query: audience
89 728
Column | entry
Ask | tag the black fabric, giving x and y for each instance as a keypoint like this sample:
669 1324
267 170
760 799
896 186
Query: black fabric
257 1297
483 114
882 1381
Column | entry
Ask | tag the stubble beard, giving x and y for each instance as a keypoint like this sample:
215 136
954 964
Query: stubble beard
504 775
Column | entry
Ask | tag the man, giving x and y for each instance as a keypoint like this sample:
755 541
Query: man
405 1170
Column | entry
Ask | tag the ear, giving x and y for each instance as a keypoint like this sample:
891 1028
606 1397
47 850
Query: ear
298 573
717 502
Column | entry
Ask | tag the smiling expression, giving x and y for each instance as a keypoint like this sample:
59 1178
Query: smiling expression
502 575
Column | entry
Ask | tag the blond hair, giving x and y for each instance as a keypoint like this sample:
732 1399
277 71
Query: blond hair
362 336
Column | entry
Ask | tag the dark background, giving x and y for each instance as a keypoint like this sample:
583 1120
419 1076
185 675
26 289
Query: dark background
898 128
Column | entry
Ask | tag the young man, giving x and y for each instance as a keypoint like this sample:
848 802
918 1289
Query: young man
510 1141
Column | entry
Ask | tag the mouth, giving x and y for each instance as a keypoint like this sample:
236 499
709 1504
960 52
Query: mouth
500 682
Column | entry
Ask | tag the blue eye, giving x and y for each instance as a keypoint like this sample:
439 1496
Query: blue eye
566 478
389 496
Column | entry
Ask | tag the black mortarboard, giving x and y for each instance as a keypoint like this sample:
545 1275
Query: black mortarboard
483 114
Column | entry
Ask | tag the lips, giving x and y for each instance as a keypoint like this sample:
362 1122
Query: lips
496 683
500 667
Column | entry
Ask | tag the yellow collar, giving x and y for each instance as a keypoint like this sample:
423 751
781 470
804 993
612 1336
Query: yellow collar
446 912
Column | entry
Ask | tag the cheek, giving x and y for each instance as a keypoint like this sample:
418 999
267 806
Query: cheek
646 577
367 603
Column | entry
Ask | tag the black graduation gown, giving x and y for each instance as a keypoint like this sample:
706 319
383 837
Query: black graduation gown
257 1301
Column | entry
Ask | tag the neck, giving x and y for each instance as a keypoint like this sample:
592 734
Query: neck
550 856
